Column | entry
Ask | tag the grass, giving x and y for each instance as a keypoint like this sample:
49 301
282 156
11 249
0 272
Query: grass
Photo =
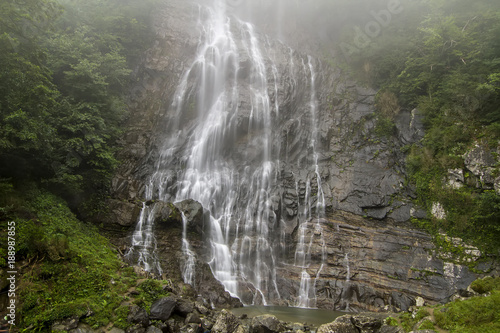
69 268
480 314
476 315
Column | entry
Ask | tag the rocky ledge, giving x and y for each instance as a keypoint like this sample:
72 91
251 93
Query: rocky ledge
174 314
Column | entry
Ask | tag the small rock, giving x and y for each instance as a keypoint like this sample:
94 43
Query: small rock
66 324
419 301
136 329
84 328
153 329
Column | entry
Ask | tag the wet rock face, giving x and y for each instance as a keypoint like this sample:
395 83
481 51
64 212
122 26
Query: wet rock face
374 265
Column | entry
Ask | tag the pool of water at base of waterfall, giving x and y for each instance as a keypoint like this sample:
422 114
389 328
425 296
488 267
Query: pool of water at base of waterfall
313 317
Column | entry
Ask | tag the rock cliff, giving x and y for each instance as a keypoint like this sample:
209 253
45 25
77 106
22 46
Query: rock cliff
338 185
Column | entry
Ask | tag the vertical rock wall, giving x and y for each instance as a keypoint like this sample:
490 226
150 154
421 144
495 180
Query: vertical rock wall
373 258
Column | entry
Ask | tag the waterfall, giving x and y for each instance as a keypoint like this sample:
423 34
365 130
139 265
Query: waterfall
310 225
220 148
143 247
189 256
347 282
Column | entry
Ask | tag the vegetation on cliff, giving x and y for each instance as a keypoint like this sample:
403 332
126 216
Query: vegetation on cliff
443 58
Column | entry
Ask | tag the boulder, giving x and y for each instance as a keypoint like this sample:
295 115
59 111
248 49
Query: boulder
193 211
265 324
184 307
337 327
226 322
367 324
138 315
167 215
123 213
162 308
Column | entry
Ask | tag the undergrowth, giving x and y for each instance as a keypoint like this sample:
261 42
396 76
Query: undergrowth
68 268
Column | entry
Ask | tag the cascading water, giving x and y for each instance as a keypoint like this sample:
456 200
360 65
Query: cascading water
220 150
143 249
347 281
197 161
189 257
309 225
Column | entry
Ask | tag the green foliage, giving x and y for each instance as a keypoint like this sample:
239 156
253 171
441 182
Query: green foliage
426 325
391 321
75 270
486 285
65 70
475 315
149 291
408 320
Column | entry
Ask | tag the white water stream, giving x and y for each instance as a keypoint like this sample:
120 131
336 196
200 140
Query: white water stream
198 161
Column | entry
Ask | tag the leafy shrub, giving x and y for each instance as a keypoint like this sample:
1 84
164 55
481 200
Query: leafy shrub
486 285
391 321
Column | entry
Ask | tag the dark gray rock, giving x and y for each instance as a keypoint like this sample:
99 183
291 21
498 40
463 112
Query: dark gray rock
401 301
184 307
193 318
153 329
167 215
138 315
162 308
123 213
194 213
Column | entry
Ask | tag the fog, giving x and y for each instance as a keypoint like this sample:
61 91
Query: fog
320 25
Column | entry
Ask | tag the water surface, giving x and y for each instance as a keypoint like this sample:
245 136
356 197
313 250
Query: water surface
314 317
